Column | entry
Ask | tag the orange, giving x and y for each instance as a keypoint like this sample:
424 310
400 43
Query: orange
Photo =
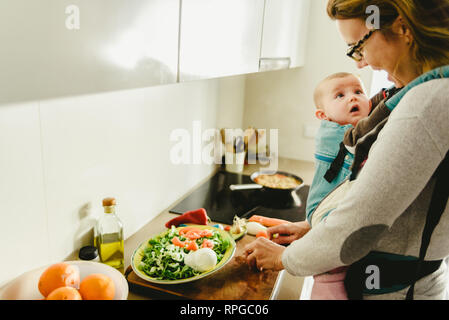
58 275
64 293
97 286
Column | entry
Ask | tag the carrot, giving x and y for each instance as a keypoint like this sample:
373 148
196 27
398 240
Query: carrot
262 234
267 222
192 246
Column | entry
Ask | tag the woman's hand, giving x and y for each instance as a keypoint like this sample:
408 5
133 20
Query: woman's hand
289 232
264 254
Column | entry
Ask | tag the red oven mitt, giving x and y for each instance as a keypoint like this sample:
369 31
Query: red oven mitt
198 216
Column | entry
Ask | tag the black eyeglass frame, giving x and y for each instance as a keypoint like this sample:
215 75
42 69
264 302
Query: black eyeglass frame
355 48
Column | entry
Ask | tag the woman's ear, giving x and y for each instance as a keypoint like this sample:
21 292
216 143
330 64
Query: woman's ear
320 114
401 29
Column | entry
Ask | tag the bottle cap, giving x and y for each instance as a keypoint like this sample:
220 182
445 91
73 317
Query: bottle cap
107 202
88 253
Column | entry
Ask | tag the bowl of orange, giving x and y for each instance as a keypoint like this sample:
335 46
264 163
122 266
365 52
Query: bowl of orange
70 280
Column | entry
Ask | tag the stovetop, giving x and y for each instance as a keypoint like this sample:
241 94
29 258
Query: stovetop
222 204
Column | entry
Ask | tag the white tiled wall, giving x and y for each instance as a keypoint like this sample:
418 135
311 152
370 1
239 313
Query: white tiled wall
60 156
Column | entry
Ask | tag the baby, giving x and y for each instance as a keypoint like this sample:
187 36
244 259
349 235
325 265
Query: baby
341 98
341 103
343 107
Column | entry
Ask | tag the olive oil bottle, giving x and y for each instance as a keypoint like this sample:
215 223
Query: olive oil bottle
109 236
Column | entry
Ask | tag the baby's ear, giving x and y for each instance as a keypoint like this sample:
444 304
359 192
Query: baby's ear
320 114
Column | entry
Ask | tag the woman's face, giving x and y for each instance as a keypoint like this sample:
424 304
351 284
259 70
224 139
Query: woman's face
380 53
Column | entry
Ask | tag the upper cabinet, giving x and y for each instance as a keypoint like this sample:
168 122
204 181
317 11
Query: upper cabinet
68 47
219 38
284 34
54 48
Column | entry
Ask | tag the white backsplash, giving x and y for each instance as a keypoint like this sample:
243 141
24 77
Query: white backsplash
60 157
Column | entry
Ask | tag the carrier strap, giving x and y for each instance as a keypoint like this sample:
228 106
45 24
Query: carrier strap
437 205
337 164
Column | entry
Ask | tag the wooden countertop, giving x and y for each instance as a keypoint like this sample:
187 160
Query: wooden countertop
302 169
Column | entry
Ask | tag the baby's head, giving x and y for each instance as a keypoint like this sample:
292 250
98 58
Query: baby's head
341 98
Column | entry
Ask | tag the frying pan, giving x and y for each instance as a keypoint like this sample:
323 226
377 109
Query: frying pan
259 186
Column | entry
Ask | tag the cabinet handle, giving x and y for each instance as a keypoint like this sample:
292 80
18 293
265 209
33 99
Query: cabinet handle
270 64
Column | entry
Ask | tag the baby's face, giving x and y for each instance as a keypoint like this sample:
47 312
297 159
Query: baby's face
344 101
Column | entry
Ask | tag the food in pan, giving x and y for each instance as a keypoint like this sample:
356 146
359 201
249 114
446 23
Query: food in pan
277 181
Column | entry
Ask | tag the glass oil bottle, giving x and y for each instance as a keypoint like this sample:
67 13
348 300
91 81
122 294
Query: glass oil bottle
109 236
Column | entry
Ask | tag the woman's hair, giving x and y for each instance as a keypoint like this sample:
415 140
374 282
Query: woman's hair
428 21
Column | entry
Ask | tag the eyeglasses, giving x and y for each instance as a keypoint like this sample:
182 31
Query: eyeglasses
355 51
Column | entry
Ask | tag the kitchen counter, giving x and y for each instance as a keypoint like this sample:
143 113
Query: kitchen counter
287 287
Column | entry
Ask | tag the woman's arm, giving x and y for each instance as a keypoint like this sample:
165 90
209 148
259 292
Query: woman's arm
400 164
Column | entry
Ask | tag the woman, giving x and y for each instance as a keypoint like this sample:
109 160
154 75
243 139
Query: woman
385 210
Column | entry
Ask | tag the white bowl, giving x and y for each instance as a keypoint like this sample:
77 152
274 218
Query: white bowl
25 287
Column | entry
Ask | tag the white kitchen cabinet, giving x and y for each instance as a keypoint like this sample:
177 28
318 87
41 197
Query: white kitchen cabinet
284 34
219 38
56 48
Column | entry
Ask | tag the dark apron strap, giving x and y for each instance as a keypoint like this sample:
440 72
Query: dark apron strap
337 164
436 209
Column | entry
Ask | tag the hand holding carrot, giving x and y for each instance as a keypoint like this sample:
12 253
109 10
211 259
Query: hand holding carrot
289 232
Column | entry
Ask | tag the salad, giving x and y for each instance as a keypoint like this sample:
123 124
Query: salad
164 256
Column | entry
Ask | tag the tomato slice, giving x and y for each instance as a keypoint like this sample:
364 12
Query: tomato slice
192 246
192 235
188 229
178 242
207 244
206 233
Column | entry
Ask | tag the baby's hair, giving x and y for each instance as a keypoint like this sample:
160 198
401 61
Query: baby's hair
318 92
